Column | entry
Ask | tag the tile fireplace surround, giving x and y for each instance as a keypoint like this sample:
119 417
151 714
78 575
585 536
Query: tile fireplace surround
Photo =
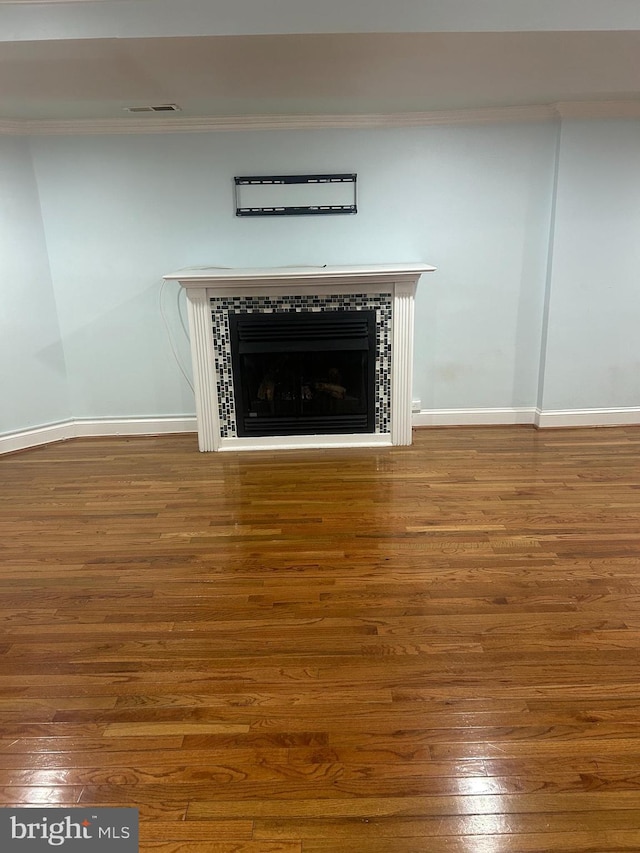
213 293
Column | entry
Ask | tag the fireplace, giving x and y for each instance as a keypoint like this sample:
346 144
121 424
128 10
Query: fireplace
304 373
302 357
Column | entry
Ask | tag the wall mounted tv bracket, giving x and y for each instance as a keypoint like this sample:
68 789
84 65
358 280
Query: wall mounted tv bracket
295 195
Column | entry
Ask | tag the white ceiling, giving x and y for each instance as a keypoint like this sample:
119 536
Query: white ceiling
246 71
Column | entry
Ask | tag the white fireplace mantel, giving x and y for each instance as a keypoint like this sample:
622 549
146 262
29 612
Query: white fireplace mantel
203 284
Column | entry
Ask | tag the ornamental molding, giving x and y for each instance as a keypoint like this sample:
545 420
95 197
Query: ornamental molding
217 124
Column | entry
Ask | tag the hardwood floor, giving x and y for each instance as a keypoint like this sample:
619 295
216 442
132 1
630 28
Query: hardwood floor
432 649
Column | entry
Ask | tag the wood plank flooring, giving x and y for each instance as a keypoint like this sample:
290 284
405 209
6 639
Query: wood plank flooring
432 649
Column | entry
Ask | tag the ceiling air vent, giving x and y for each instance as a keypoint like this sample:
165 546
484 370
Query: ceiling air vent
154 108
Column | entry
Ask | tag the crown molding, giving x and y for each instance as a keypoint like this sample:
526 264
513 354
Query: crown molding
598 109
204 124
209 124
12 127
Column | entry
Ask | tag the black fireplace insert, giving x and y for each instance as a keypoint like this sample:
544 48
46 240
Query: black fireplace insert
304 373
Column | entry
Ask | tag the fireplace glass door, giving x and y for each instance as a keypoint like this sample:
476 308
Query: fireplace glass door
304 373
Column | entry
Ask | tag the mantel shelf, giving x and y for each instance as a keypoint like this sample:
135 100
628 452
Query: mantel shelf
212 277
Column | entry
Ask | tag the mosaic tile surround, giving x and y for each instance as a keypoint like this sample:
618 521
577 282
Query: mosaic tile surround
221 307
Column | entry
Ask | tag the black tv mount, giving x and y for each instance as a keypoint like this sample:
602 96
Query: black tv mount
295 210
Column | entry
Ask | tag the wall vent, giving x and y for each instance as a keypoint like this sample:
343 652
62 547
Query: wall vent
154 108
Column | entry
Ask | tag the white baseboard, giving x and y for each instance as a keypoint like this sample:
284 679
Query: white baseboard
628 416
81 427
544 419
85 427
134 426
12 441
473 417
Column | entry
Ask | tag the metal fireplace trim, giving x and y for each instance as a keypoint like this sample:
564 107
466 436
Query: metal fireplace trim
295 337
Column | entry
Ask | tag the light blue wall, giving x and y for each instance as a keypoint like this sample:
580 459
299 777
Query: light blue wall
33 381
88 225
593 352
484 204
475 201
